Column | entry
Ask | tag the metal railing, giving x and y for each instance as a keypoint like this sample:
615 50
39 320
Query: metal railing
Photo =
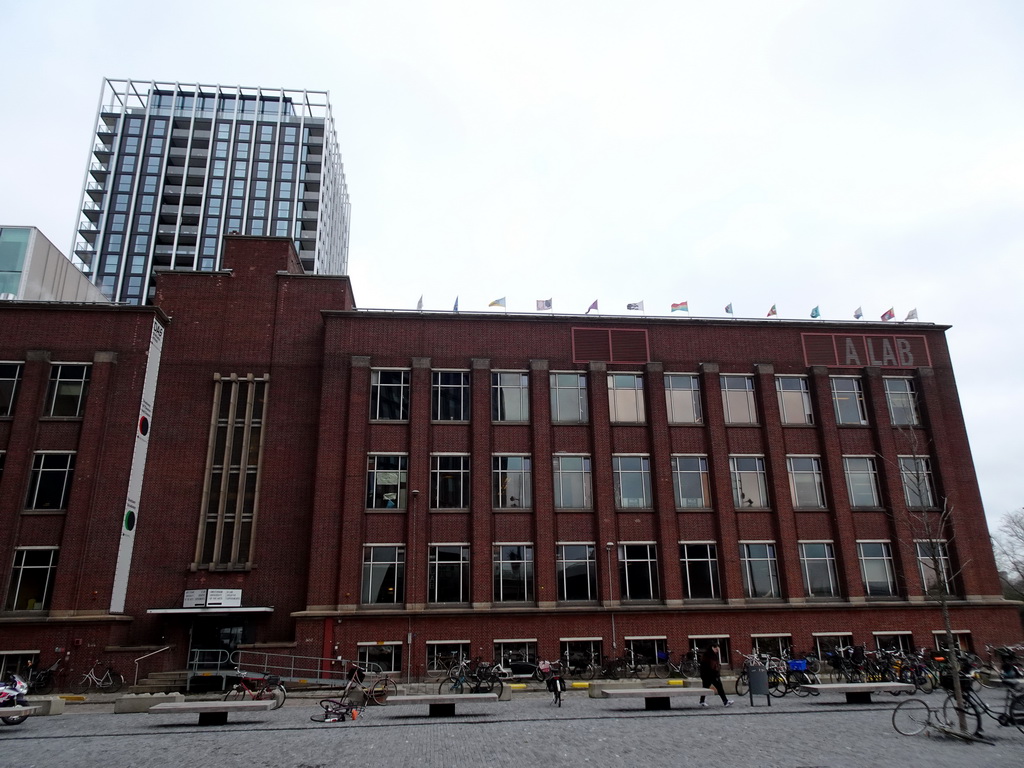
154 653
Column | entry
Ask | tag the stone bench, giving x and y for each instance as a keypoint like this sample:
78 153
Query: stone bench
654 698
859 693
47 705
211 712
442 705
143 702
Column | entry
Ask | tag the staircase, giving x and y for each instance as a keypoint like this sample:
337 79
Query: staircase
161 682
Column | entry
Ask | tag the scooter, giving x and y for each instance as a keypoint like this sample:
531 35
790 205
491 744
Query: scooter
12 694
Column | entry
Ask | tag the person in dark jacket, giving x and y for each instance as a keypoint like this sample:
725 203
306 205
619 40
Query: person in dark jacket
711 673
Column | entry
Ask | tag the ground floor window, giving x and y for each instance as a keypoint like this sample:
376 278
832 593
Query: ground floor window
699 643
645 650
16 663
773 645
580 652
894 641
961 640
826 646
518 655
441 655
381 657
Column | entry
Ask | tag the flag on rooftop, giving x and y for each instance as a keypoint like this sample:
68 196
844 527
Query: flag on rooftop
858 314
592 307
419 304
888 315
543 304
816 312
639 305
683 306
497 302
911 315
456 307
772 312
728 308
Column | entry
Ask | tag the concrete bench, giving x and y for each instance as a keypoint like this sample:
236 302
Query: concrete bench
211 712
859 693
654 698
442 705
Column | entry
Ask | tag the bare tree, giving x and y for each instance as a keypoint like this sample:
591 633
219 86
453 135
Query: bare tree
1008 544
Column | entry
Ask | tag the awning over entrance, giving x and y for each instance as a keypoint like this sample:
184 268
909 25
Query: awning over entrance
214 610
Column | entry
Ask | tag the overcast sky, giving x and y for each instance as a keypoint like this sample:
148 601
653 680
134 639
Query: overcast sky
833 154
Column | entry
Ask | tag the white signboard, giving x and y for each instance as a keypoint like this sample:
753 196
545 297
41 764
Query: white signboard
212 598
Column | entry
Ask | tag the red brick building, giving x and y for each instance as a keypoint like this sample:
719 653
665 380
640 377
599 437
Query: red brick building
391 486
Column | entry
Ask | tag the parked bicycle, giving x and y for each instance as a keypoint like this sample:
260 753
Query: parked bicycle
579 665
688 665
974 707
482 679
377 692
43 681
108 681
257 688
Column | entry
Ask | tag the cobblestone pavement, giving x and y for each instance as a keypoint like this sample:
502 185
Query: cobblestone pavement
822 732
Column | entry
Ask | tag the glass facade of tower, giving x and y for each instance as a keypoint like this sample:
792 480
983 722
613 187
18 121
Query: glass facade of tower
176 166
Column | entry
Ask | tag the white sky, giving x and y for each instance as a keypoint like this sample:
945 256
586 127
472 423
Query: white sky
841 154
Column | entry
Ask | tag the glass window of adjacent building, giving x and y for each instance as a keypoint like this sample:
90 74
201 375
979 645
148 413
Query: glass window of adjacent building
383 574
389 395
10 377
511 482
626 398
760 569
805 482
638 571
448 573
818 564
738 399
631 480
848 399
449 396
50 484
876 568
698 561
386 478
576 572
916 473
794 399
513 573
449 482
934 567
682 396
32 579
749 482
69 386
861 481
569 398
690 482
901 397
572 480
510 396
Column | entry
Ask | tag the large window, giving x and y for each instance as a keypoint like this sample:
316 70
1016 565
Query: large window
934 567
32 579
916 472
682 396
749 482
901 397
389 395
818 563
449 482
449 396
448 577
631 480
794 400
805 482
50 485
69 385
861 481
386 480
513 573
876 568
690 481
383 574
381 657
10 376
738 400
511 482
510 397
569 398
760 569
441 654
572 482
638 572
576 571
848 399
626 398
699 564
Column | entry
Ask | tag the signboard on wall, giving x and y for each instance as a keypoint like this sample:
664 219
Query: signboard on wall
212 598
862 350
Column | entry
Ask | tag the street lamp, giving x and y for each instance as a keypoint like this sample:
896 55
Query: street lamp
608 561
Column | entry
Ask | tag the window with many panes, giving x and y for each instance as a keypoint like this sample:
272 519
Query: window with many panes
389 395
383 574
69 386
569 398
861 481
916 473
381 657
738 399
690 482
760 569
805 482
828 646
682 396
848 399
902 642
449 482
511 482
631 481
638 571
513 573
576 572
442 655
626 398
510 396
876 568
50 484
518 655
572 481
698 560
449 396
386 479
749 482
818 564
10 376
32 579
901 397
934 567
448 573
794 399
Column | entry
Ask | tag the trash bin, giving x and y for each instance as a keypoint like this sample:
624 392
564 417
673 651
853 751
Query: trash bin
758 677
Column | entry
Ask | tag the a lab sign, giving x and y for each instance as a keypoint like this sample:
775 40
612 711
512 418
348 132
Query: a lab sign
212 598
860 350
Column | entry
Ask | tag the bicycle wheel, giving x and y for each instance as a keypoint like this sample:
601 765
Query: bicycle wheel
275 692
989 677
588 672
797 683
661 670
951 714
911 717
113 682
924 682
81 685
382 689
237 693
742 684
777 684
813 665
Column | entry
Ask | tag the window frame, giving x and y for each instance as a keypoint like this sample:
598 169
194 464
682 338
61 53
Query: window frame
372 499
926 565
871 475
909 398
799 479
38 478
371 654
561 476
805 413
678 475
564 565
18 572
731 401
738 486
752 582
635 571
526 580
459 568
807 566
77 390
884 561
688 562
378 390
918 482
457 496
625 477
11 373
675 400
560 414
503 476
859 401
378 574
505 392
623 409
449 401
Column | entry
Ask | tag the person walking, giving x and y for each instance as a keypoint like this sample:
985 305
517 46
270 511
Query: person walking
711 673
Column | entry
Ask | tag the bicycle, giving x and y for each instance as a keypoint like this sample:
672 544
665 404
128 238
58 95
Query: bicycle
483 679
579 665
637 665
973 706
378 692
257 688
42 681
108 682
335 711
688 665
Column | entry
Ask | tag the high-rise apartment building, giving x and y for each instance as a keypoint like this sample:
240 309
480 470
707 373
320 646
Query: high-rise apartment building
175 166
